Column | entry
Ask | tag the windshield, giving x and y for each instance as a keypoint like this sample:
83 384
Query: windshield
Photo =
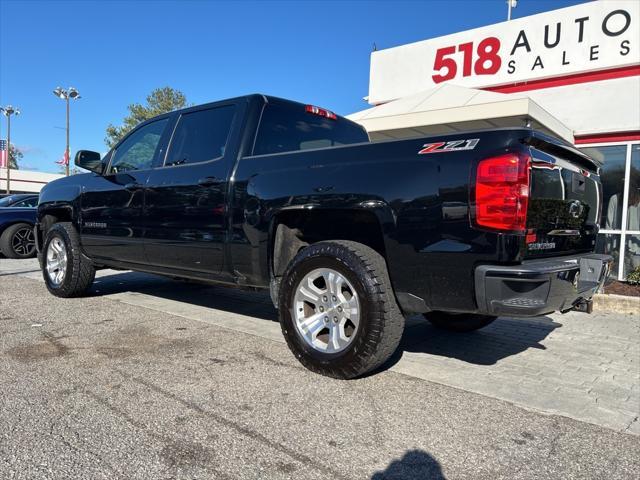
7 201
19 201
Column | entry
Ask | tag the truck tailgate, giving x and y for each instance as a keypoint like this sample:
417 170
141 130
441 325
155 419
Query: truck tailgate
565 199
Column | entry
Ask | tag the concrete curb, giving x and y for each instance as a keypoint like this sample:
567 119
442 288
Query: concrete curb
616 303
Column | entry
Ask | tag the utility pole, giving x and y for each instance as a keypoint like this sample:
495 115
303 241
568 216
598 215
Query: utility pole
67 95
8 111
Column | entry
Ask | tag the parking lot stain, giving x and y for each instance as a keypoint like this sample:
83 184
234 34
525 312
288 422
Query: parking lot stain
285 467
186 455
48 349
137 340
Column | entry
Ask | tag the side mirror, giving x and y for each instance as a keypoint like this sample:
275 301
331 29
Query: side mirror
89 161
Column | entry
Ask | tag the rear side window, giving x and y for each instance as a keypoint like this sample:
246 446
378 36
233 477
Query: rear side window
201 136
285 128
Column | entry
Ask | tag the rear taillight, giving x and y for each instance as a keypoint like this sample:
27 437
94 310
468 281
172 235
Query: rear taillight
502 192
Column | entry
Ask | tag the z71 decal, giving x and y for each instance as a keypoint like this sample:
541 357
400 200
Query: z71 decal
452 146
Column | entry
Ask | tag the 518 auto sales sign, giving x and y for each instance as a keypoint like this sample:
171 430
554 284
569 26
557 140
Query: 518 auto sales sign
599 35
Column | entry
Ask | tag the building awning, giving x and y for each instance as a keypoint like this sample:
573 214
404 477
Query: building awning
449 109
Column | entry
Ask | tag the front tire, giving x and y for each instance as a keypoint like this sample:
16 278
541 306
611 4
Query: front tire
18 241
458 322
66 271
337 309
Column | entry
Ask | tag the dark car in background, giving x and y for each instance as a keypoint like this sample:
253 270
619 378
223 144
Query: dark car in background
17 218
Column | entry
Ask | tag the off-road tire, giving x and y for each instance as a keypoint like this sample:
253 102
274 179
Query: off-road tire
6 240
80 270
458 322
381 321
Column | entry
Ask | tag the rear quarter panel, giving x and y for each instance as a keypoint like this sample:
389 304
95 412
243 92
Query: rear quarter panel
421 201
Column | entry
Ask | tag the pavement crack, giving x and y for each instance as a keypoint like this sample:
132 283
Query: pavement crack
241 429
166 440
635 419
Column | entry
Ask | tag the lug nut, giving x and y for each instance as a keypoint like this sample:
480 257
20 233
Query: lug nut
326 319
339 309
321 308
324 299
333 298
335 319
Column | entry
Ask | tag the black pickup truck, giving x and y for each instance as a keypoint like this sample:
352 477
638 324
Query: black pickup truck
349 236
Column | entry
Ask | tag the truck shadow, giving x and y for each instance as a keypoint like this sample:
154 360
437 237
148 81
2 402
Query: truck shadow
503 338
229 299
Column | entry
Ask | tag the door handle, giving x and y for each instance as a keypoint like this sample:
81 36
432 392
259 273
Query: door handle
133 186
208 181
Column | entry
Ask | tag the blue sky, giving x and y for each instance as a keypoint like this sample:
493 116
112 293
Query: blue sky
116 52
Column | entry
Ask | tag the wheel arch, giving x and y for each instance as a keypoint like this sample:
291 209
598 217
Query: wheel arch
293 229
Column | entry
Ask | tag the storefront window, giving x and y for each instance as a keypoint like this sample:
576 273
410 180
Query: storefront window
612 176
633 208
631 254
609 243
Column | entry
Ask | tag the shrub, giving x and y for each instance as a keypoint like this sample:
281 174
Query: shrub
634 277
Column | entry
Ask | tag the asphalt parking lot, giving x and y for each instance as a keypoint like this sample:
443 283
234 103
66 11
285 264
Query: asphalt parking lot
149 378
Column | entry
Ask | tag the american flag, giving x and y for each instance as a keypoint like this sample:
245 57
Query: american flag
65 159
4 156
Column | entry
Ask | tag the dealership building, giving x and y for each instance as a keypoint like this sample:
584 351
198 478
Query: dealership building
573 72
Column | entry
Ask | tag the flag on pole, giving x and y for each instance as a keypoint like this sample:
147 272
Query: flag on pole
65 159
4 154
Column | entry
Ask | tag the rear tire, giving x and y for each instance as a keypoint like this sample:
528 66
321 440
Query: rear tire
458 322
66 271
18 241
369 327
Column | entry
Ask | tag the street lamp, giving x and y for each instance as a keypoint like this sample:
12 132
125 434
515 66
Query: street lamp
73 94
511 4
7 112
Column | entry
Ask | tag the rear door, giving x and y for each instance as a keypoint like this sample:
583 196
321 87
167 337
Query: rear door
565 200
112 204
185 198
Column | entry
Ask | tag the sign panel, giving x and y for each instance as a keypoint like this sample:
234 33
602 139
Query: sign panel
588 37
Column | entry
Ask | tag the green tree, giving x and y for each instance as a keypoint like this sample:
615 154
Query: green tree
159 101
15 156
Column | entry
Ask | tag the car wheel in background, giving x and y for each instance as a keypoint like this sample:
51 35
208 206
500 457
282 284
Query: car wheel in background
66 271
18 241
337 309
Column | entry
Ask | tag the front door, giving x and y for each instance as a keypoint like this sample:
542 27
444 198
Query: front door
185 198
112 224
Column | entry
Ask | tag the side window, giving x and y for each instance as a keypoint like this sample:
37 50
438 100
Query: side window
201 136
29 202
139 149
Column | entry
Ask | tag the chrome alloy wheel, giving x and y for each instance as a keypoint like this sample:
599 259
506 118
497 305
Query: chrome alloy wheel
56 261
326 310
24 242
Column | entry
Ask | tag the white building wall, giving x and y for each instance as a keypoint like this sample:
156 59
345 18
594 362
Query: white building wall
26 180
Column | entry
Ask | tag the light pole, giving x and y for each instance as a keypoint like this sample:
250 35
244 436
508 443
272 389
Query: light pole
511 4
68 94
8 111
